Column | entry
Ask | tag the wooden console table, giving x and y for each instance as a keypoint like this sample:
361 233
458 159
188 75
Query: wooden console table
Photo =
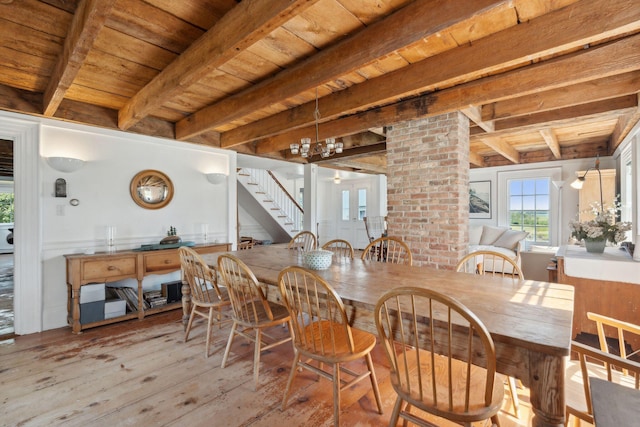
607 284
110 267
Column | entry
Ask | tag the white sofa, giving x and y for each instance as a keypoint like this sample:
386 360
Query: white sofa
498 239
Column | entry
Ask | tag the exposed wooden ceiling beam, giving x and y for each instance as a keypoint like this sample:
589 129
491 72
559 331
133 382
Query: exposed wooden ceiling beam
552 141
241 27
407 25
503 148
563 29
85 26
562 115
476 159
587 92
586 65
624 126
475 115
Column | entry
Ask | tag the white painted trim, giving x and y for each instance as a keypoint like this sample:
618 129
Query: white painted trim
28 223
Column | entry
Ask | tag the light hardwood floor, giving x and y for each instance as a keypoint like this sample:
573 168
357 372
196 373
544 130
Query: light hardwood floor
141 373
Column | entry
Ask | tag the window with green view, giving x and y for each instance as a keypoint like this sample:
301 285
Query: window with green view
529 204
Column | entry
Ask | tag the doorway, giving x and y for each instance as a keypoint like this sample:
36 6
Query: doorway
6 240
352 210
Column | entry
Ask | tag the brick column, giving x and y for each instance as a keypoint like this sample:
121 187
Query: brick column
428 187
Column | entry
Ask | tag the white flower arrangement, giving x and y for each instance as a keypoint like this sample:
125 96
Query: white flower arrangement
603 226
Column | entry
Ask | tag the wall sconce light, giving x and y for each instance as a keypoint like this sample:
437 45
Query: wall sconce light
65 164
579 182
336 179
216 178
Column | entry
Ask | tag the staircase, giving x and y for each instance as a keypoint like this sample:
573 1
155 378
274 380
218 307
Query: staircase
273 197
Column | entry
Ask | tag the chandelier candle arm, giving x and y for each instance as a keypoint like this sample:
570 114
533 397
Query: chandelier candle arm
305 149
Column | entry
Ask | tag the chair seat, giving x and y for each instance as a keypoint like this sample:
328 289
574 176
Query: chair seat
574 385
331 339
261 318
211 299
477 408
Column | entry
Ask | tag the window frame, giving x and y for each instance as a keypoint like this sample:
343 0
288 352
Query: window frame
553 174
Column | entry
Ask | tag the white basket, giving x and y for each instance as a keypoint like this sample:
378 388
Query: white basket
318 259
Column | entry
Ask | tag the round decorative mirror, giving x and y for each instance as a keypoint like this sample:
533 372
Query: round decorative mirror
151 189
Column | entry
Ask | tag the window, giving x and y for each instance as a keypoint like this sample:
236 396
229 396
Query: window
529 200
529 206
362 203
345 205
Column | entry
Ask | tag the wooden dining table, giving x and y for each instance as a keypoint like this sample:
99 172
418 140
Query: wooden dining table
529 321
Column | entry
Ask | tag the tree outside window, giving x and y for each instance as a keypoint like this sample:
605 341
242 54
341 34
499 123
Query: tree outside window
6 207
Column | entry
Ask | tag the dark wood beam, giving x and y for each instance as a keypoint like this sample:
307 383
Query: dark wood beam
559 31
620 56
241 27
409 24
87 22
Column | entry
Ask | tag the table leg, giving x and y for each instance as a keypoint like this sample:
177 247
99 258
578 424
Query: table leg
546 385
186 303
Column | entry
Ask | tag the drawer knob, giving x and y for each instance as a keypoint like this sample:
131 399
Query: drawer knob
112 268
167 261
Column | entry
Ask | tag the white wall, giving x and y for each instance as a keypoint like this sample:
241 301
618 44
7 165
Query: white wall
102 188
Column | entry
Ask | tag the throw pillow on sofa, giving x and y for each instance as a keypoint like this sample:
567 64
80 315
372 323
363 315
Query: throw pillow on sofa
510 238
491 234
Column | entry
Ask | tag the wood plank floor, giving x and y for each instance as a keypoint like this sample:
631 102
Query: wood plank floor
141 373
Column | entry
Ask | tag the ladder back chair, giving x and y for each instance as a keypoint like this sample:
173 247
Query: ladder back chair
376 226
490 263
340 248
304 241
251 311
388 249
621 329
593 363
434 344
494 264
207 299
322 335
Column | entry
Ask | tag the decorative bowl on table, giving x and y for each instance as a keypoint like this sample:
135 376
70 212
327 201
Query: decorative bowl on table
318 259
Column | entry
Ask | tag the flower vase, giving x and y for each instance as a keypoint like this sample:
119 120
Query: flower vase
595 246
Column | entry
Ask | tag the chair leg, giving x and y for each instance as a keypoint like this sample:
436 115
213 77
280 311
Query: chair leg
336 394
209 331
495 420
256 358
191 316
393 421
292 374
226 351
374 382
513 391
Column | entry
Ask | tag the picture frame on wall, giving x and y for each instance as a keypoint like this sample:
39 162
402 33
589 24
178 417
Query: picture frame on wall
480 199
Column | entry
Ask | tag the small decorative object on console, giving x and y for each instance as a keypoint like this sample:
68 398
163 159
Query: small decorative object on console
171 238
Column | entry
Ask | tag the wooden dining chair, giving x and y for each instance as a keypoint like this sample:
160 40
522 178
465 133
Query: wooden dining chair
494 264
340 248
490 263
388 249
251 311
303 241
207 299
622 330
322 335
590 362
434 345
376 226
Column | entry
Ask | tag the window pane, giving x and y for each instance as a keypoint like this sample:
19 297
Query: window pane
529 205
345 205
362 203
515 187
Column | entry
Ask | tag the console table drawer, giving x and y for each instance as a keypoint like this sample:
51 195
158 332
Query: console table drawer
109 268
161 261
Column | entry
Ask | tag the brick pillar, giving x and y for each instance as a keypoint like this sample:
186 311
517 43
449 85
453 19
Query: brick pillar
428 187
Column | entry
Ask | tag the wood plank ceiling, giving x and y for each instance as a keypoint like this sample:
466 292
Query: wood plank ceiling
540 79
